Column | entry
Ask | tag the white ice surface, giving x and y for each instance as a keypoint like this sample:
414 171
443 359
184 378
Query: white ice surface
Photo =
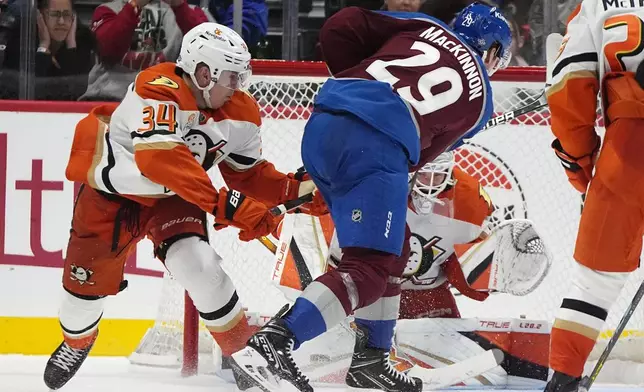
104 374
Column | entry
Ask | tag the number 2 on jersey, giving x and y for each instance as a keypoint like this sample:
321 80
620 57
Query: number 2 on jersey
165 117
631 46
428 56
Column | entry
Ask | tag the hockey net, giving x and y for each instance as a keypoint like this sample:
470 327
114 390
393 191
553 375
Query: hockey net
514 162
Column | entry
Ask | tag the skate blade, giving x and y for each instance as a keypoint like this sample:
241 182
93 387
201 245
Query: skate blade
255 368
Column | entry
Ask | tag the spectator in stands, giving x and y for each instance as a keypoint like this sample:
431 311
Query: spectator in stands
517 59
254 18
133 35
535 18
403 5
64 56
444 10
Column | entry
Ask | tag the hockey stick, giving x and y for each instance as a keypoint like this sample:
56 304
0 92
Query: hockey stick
281 210
291 204
458 372
553 43
506 117
432 379
587 381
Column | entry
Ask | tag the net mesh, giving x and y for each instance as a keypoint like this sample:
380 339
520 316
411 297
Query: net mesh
514 163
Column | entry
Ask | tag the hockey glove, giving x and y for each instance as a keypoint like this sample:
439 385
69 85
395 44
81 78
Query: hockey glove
250 216
301 185
579 170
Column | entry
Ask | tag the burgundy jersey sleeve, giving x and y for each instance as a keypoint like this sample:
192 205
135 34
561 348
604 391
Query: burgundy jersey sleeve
354 34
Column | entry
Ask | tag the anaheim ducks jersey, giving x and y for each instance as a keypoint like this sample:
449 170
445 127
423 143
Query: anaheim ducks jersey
602 36
145 148
157 111
230 134
434 235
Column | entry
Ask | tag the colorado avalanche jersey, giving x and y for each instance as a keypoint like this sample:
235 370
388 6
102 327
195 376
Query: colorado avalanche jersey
407 75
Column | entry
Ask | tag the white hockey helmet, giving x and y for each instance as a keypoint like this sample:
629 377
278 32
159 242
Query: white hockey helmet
222 50
432 179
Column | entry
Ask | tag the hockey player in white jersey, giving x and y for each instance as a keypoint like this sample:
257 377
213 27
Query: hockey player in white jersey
601 53
140 178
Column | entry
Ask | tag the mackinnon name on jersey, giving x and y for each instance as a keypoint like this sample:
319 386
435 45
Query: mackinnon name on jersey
436 36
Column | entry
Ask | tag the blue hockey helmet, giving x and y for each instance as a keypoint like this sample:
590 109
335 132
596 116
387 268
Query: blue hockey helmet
482 27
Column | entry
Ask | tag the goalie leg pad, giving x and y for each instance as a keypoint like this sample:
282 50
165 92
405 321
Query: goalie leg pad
79 316
197 267
581 317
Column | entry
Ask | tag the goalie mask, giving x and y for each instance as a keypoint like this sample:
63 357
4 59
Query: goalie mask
431 180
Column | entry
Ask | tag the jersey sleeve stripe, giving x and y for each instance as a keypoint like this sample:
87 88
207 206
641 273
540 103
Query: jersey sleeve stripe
111 162
571 75
147 134
578 58
165 145
242 160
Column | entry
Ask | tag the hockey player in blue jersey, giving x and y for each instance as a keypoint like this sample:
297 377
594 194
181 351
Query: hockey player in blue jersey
407 88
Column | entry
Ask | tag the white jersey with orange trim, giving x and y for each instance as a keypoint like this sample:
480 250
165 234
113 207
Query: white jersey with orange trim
145 148
435 234
156 112
230 132
602 36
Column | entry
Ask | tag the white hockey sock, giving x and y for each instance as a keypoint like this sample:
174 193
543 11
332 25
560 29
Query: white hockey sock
79 319
197 267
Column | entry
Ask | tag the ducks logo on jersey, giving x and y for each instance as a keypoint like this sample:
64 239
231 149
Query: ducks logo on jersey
422 255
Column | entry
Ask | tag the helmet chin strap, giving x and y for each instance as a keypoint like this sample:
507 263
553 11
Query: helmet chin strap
205 91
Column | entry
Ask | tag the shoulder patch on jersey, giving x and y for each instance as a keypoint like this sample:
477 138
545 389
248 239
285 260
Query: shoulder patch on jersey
164 81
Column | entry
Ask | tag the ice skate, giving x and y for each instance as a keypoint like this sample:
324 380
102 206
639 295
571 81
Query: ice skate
64 363
371 370
561 382
267 362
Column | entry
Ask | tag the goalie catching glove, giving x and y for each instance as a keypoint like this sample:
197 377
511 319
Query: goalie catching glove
579 170
250 216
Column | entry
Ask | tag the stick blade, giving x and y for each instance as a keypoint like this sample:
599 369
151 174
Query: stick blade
458 372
